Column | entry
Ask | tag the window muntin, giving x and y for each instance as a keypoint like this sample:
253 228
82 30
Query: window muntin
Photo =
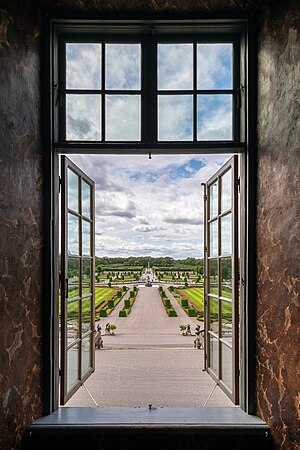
150 90
77 293
221 293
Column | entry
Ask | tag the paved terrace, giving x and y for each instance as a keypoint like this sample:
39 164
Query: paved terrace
148 361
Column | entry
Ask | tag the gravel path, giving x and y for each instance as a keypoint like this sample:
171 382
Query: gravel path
149 361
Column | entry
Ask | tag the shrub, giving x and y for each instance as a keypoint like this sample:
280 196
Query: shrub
171 312
123 313
184 302
192 312
103 313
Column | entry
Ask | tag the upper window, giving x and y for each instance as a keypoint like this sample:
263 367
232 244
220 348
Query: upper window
149 88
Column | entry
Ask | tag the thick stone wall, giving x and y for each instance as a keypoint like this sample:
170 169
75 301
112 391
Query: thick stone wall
278 223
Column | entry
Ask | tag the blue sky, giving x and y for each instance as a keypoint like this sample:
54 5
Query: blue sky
149 207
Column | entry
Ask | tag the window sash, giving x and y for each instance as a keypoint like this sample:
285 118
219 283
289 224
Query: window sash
149 93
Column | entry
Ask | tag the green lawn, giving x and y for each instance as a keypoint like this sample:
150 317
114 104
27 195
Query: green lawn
102 293
196 294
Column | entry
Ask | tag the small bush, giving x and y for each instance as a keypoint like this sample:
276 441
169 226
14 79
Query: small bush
192 312
122 313
103 313
171 312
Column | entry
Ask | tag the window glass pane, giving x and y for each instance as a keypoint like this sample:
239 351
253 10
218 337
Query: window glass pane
214 117
226 270
226 235
123 118
86 199
72 366
175 66
72 321
214 354
73 277
73 235
213 200
214 66
175 117
86 238
226 191
86 314
213 238
83 66
72 190
226 321
123 66
214 314
227 366
213 277
86 276
86 353
83 117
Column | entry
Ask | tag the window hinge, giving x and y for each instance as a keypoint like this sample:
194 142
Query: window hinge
59 373
59 184
239 184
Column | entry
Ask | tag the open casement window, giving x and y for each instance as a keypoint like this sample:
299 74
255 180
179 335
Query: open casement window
77 278
221 278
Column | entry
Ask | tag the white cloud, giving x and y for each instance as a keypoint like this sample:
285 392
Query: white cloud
150 207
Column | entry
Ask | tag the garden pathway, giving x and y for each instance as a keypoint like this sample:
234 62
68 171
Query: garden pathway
149 361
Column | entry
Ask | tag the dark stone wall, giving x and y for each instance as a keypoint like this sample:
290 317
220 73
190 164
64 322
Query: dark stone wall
278 223
21 214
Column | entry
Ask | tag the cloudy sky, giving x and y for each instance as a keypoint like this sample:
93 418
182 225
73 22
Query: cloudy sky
123 74
149 207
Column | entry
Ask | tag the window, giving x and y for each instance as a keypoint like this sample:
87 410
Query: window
112 91
149 88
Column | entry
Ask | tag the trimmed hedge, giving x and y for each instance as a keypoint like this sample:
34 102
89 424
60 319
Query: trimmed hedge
113 302
167 303
128 303
183 302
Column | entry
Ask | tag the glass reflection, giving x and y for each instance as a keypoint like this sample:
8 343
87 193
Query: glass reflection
86 276
226 235
175 66
86 314
226 191
72 366
86 349
226 375
214 314
72 321
73 235
226 308
123 66
83 117
214 354
123 118
213 200
73 278
226 285
72 190
214 117
86 238
83 66
213 277
214 66
175 117
213 238
86 199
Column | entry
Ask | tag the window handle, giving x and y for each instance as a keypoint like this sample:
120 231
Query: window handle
67 288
